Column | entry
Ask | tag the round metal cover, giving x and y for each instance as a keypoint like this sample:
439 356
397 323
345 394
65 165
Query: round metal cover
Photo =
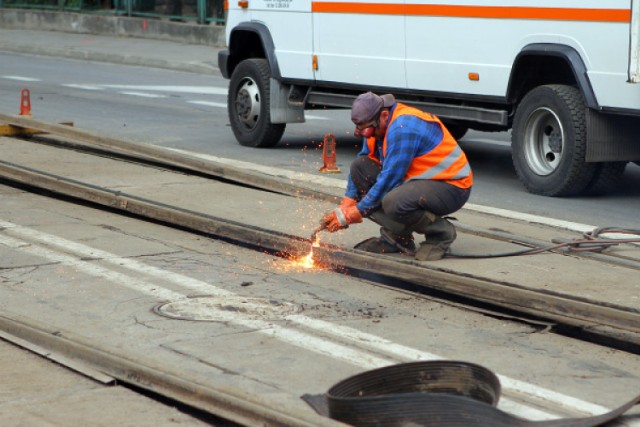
226 308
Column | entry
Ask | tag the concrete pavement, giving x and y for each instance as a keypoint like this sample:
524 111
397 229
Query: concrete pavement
37 392
183 305
549 284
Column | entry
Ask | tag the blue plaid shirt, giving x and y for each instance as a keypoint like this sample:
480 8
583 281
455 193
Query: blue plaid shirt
407 137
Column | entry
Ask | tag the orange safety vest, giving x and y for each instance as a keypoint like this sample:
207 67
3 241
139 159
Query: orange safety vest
445 162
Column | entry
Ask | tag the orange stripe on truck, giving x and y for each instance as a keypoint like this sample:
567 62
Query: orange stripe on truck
460 11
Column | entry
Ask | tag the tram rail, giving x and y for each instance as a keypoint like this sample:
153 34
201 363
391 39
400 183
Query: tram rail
618 323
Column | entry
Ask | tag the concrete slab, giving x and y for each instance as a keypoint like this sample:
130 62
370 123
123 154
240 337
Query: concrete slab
109 301
36 391
95 291
566 276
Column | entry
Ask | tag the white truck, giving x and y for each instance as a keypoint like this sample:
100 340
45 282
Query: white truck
561 74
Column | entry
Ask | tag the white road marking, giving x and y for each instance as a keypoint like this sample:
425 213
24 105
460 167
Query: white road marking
137 89
319 345
543 220
144 95
21 78
489 141
535 219
203 90
312 117
224 105
83 86
209 103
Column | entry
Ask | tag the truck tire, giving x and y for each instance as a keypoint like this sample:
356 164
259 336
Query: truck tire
549 141
248 105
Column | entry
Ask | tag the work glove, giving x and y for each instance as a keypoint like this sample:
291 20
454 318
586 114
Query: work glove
347 202
341 217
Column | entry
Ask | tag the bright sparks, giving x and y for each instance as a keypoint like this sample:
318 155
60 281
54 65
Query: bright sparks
307 261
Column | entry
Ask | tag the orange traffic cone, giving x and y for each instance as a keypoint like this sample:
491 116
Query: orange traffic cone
329 155
25 103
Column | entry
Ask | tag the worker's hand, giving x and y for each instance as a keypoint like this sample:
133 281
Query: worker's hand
351 214
341 217
331 222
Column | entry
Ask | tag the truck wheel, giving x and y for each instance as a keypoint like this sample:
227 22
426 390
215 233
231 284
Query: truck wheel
549 141
248 105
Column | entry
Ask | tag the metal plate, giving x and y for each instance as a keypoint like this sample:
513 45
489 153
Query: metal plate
225 308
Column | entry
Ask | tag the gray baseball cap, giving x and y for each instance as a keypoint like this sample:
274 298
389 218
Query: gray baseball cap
367 106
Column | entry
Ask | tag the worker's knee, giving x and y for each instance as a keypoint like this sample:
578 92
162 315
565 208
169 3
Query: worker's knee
403 205
396 208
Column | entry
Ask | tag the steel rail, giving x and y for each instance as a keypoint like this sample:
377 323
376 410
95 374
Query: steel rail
607 320
182 161
229 403
170 158
614 321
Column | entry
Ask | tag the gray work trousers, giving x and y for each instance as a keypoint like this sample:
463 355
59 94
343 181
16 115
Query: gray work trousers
408 202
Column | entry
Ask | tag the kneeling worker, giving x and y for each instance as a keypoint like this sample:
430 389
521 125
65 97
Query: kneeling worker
410 173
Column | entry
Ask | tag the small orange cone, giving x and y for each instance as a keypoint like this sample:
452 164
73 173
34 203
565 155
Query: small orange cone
329 155
25 103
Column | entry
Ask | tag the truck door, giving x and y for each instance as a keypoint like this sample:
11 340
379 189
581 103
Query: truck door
634 46
360 43
289 23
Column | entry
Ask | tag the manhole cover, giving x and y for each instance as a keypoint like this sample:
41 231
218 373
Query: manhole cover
222 309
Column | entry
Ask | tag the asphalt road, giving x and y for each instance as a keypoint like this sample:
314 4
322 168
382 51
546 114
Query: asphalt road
188 111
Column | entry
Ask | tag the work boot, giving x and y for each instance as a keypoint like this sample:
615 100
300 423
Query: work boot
439 235
388 243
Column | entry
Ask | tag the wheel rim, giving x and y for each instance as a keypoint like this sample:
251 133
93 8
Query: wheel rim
543 141
247 103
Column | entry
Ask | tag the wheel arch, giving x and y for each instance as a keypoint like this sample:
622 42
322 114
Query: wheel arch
251 40
544 63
